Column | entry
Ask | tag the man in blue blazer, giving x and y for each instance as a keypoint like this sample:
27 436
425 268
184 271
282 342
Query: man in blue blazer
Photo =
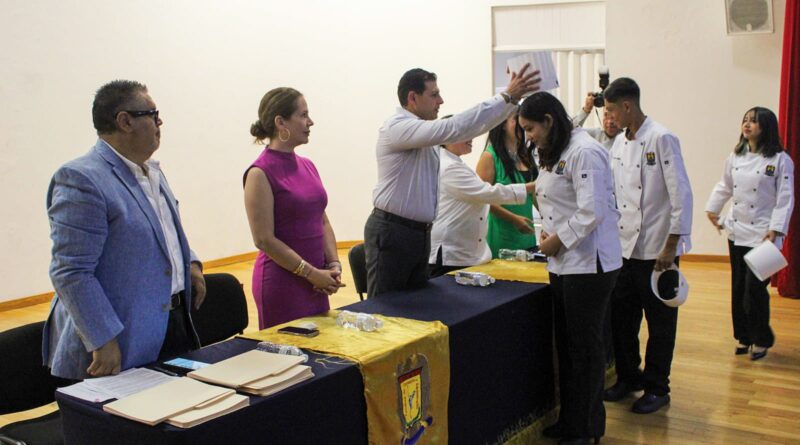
124 276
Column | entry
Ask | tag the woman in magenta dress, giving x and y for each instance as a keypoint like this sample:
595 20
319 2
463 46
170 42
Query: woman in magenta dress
298 264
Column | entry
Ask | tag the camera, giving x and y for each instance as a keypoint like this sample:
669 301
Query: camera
599 101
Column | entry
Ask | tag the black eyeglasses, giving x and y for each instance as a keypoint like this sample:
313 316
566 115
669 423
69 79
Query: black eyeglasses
153 112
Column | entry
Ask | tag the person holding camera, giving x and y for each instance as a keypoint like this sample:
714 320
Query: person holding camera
759 176
580 237
605 135
655 198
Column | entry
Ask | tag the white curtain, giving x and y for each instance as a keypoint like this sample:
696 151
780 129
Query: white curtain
577 75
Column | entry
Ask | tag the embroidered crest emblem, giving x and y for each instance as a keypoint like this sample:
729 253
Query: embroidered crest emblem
770 171
414 399
650 157
560 167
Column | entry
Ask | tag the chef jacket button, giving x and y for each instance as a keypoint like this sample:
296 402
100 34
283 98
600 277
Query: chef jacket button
551 218
625 206
754 189
637 230
756 171
481 218
620 227
734 185
637 165
751 206
737 169
479 240
640 187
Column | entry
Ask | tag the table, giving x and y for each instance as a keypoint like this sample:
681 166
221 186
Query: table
501 368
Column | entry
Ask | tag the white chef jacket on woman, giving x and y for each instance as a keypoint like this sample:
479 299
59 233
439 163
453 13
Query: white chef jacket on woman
763 196
653 191
576 202
460 225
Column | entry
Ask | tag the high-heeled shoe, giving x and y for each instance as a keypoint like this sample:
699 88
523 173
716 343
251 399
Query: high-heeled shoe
742 349
758 355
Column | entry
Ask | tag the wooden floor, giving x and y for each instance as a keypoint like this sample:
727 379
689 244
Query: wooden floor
717 398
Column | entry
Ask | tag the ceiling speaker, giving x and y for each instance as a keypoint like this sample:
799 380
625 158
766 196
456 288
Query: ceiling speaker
748 16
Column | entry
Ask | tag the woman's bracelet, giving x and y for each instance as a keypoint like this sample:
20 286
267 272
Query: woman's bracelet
336 262
300 267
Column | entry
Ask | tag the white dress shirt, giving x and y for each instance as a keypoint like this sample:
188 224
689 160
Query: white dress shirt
150 182
653 191
576 201
408 160
763 197
599 134
460 225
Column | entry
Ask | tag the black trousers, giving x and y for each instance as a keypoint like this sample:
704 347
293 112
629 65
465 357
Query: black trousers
580 302
179 337
396 254
632 296
749 302
438 269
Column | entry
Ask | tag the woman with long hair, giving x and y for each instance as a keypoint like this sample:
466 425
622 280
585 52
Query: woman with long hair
759 177
506 160
581 239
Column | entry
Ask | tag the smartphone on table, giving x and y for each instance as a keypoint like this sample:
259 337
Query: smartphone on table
296 330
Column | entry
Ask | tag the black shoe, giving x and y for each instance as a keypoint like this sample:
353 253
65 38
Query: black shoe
553 431
619 391
650 403
580 441
758 355
742 350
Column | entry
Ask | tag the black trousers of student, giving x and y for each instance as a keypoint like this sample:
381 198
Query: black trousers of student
632 296
438 269
397 251
749 302
580 302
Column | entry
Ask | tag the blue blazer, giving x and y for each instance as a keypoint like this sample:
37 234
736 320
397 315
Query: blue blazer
110 267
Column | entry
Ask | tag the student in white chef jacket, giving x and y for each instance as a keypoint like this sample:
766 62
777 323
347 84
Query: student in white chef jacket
458 236
655 199
580 237
759 176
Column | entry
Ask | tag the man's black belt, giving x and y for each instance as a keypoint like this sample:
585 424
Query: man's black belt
177 300
410 223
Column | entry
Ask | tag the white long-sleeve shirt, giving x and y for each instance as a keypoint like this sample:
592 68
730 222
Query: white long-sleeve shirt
408 160
653 192
576 201
763 197
460 225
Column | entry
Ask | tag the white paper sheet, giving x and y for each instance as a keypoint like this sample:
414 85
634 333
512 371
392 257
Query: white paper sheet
539 60
117 386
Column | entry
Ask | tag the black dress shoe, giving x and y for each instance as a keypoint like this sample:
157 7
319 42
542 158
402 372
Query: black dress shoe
619 391
650 403
580 441
758 355
742 350
553 431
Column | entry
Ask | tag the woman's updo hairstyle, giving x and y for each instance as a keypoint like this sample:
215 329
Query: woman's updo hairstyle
277 102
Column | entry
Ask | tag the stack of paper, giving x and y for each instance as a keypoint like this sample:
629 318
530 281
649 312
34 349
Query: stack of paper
256 372
539 60
181 402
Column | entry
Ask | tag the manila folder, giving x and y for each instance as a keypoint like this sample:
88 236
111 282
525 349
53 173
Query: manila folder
158 403
245 368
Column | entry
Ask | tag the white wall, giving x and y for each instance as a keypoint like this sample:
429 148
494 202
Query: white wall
207 64
696 80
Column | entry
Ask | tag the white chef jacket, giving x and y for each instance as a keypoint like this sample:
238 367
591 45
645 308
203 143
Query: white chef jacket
763 197
653 191
576 201
408 157
460 225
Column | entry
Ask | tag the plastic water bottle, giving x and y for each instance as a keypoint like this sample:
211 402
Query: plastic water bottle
514 255
359 320
277 348
474 278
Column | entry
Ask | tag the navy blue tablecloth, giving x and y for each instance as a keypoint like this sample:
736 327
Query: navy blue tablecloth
501 372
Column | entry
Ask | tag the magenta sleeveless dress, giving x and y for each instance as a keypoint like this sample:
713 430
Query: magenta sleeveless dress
300 201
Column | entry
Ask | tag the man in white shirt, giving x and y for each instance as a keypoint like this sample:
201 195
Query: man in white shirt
605 135
123 273
655 199
397 233
458 236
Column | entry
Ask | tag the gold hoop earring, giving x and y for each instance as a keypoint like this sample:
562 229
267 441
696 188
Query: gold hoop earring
288 134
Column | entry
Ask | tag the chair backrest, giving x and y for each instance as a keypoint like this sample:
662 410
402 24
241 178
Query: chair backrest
358 266
224 311
25 383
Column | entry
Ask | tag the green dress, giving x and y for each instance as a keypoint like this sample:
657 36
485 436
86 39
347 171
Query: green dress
501 233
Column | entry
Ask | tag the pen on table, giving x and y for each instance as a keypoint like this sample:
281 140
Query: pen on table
165 371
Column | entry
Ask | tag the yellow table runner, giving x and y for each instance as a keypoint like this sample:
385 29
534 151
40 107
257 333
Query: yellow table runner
527 271
406 370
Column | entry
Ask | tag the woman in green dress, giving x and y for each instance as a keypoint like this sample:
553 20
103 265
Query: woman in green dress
507 160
